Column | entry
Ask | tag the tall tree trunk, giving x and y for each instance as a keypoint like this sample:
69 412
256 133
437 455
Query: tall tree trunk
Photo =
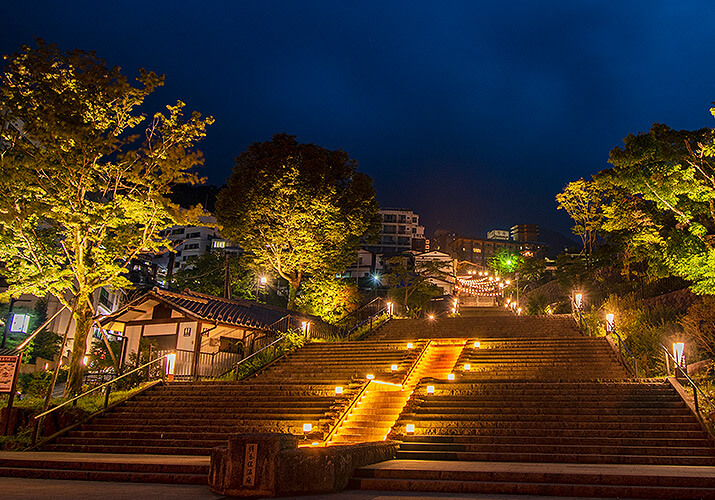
83 318
293 285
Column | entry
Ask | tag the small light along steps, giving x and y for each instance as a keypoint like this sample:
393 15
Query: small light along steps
190 418
555 422
534 407
374 415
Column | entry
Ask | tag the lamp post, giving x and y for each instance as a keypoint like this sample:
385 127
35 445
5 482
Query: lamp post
679 356
260 285
610 323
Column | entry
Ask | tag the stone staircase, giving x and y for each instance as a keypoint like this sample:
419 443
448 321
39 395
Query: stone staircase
190 418
537 408
554 422
479 327
182 420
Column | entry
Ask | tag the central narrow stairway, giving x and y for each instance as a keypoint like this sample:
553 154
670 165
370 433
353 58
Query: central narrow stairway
378 407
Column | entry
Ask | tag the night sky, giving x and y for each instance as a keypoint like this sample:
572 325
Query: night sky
473 114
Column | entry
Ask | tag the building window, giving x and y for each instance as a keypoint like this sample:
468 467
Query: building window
233 346
193 235
104 298
191 246
218 244
178 230
20 323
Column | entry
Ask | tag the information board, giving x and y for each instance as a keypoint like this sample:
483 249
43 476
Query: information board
8 370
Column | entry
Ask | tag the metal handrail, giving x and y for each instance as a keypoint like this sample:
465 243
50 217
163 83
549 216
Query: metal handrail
684 371
254 354
417 362
576 311
357 311
270 327
346 413
45 413
369 318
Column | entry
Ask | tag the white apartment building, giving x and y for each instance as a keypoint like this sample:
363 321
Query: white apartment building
400 231
188 241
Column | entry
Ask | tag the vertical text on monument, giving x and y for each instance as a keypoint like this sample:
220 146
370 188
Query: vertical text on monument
249 464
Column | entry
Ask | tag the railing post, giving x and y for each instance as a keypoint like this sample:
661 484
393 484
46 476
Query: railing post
107 392
695 398
667 363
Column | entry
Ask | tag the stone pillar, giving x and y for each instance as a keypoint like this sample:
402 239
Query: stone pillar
247 466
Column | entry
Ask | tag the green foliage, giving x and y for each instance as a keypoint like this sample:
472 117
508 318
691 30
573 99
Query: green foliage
331 298
582 200
642 327
99 357
532 270
206 274
35 384
699 324
84 183
410 287
667 178
300 209
290 342
537 304
505 262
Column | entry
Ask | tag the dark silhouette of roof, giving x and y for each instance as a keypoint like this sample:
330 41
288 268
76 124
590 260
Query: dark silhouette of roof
238 312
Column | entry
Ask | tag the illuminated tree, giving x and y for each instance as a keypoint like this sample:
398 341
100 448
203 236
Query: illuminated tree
206 273
331 299
673 172
504 261
582 201
84 178
410 286
299 209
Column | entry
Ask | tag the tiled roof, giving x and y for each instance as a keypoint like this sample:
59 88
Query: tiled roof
9 351
209 308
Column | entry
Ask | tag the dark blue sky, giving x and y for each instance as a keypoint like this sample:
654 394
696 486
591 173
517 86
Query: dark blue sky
472 114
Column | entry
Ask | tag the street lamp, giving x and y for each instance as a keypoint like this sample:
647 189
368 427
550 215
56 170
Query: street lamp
260 285
578 301
679 353
610 323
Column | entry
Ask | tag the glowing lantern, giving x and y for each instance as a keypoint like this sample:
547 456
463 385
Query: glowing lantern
338 390
679 352
307 427
430 389
410 428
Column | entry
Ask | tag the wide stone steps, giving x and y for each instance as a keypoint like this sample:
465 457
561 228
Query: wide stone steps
142 450
537 480
584 439
565 457
174 470
562 448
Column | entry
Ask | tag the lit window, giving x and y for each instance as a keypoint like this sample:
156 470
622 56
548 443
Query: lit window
19 323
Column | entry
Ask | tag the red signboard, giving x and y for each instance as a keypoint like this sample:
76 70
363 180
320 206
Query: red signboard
8 372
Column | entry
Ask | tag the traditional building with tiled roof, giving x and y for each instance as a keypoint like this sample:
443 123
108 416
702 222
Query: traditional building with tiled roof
230 328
